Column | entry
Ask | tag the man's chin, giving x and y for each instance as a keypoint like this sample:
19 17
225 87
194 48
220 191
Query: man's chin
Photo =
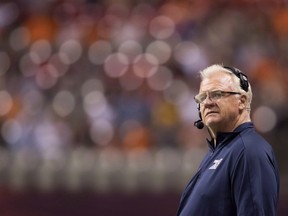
212 123
211 120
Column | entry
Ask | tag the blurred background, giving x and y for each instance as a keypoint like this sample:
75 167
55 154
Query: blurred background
96 98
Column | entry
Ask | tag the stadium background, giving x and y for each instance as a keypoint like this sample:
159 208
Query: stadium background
97 110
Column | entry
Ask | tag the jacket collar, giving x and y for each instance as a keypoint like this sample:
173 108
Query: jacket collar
223 137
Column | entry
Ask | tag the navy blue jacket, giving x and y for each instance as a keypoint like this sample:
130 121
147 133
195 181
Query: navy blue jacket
238 177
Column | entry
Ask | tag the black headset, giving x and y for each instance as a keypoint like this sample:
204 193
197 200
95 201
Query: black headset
244 84
199 123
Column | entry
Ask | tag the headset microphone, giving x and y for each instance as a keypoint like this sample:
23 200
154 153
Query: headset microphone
199 123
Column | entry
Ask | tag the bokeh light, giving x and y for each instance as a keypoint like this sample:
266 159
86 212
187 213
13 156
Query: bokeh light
46 76
162 27
95 104
4 62
9 12
40 51
102 132
145 65
19 38
70 51
161 50
6 102
176 12
131 49
116 65
33 102
64 103
60 68
99 51
27 66
264 119
91 85
178 92
161 80
189 55
11 131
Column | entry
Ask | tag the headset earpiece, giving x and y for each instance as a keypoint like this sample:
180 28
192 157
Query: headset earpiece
244 84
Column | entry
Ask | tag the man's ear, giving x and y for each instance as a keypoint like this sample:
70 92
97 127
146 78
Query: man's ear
243 102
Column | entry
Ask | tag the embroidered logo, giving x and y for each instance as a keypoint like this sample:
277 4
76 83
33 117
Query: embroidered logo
216 164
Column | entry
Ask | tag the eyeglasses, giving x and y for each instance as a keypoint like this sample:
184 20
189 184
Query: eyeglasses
213 95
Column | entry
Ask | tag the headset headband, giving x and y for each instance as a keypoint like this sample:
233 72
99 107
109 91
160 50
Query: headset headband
244 84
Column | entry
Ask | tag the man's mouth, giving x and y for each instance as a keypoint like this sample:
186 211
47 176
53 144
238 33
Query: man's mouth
210 112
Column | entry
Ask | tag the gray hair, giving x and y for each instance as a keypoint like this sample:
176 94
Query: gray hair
207 72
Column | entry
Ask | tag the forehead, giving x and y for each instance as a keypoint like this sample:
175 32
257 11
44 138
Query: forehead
217 81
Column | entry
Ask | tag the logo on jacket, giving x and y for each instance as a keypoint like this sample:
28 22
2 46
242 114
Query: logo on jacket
216 164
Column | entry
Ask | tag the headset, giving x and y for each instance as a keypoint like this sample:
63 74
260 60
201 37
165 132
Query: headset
244 84
199 123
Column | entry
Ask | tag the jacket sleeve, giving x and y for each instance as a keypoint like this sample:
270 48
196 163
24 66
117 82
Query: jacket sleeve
254 183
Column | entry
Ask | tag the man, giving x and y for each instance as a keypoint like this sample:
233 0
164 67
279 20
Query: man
239 174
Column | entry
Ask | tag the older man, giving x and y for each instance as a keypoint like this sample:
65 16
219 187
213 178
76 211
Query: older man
239 174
